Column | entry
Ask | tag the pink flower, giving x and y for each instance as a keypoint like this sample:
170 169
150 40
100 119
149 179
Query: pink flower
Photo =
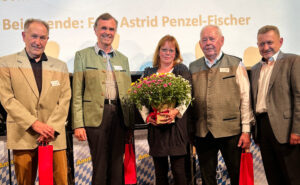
139 86
135 91
165 85
170 83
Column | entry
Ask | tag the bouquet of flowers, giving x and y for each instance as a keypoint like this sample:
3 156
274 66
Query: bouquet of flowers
160 89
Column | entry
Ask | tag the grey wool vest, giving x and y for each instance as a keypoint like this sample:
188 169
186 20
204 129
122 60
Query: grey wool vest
217 97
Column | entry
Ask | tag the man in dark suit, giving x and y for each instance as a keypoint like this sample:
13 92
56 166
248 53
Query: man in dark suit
275 84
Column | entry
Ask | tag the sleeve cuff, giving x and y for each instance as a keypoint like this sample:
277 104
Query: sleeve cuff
144 113
180 113
32 121
246 128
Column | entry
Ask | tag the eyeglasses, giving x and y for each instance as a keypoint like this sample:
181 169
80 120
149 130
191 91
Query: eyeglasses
165 50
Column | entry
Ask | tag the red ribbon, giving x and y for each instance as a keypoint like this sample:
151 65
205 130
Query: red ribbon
154 114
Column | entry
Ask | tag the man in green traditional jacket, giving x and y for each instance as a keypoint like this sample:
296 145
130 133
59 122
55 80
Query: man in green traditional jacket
222 108
100 113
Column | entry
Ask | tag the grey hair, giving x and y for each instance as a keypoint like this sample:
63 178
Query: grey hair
213 26
106 17
30 21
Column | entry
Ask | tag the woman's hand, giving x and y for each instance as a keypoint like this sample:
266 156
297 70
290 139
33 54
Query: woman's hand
151 121
170 115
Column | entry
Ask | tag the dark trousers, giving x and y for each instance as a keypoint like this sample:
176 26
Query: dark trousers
162 168
107 145
207 151
281 161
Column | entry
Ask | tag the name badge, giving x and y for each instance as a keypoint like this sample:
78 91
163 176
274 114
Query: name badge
118 67
224 70
55 83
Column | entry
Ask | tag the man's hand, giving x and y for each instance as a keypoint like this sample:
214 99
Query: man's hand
244 141
80 134
43 129
294 139
42 139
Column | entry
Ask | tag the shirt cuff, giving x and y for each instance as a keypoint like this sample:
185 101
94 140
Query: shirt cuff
180 112
144 113
246 127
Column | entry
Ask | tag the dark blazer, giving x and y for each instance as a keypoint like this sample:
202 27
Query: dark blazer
283 96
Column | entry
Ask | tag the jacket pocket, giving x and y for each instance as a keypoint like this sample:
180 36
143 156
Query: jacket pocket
231 76
228 119
87 67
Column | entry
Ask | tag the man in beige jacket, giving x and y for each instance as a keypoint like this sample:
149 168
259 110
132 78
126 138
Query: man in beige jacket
35 92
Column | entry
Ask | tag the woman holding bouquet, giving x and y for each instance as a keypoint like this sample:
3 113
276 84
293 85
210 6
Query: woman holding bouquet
168 139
